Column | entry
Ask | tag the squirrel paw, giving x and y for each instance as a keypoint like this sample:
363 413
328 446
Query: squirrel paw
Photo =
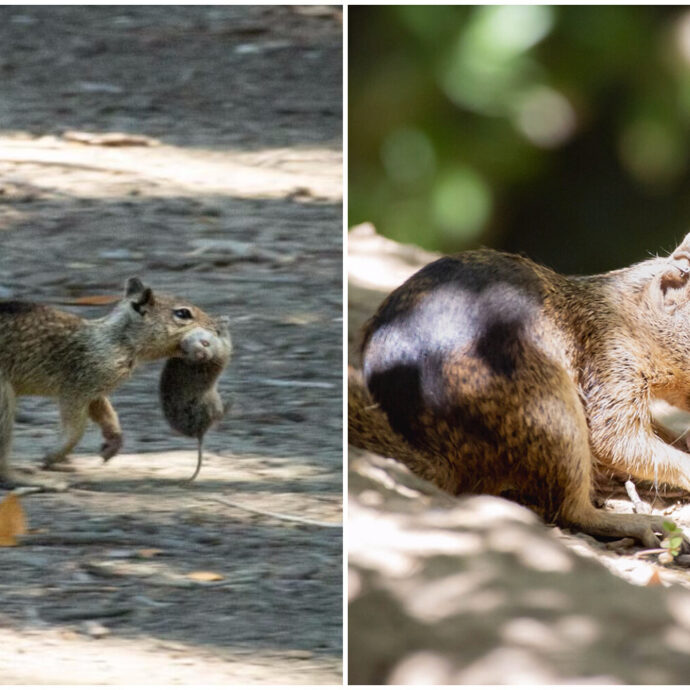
56 461
111 446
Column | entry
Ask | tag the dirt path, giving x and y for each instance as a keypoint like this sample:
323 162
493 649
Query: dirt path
235 204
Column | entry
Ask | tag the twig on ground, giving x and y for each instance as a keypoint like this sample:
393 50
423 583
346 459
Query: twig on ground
277 516
649 552
297 384
91 613
639 505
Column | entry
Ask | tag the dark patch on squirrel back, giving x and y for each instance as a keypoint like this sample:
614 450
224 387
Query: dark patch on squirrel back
479 307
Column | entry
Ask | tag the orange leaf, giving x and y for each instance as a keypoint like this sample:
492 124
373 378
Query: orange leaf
95 300
204 576
12 520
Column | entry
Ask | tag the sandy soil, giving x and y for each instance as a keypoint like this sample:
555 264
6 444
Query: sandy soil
232 198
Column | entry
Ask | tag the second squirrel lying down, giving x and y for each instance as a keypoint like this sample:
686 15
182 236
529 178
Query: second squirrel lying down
488 373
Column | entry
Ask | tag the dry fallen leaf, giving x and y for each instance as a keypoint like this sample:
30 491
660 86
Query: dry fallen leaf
12 520
95 300
204 576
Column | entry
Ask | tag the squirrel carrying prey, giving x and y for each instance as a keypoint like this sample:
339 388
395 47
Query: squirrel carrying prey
48 352
488 373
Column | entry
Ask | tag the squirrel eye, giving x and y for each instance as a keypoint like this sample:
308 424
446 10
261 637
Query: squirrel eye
182 313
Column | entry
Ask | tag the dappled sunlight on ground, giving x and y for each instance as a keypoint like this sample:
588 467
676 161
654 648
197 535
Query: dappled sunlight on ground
74 658
163 575
485 593
71 168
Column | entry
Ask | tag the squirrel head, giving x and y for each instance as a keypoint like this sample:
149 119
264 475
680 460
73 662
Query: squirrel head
154 323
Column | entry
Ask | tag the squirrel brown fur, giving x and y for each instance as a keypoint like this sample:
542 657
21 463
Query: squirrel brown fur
48 352
188 385
488 373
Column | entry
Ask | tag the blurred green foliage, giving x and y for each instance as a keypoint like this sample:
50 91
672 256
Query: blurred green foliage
559 131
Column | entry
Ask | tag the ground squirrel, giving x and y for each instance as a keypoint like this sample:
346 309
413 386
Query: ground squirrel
188 393
488 373
48 352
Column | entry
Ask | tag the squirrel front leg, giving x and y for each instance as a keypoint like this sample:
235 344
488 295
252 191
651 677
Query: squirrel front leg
103 413
624 437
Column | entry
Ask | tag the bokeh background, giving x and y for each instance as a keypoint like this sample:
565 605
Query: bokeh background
561 132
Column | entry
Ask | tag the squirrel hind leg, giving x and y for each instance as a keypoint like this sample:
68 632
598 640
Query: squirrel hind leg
556 466
570 476
12 479
73 419
602 523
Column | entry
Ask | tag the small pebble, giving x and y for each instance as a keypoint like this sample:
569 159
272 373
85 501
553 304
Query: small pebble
120 553
95 629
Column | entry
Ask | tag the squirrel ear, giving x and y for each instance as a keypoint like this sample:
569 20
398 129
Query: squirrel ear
674 279
683 249
134 286
140 295
144 300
